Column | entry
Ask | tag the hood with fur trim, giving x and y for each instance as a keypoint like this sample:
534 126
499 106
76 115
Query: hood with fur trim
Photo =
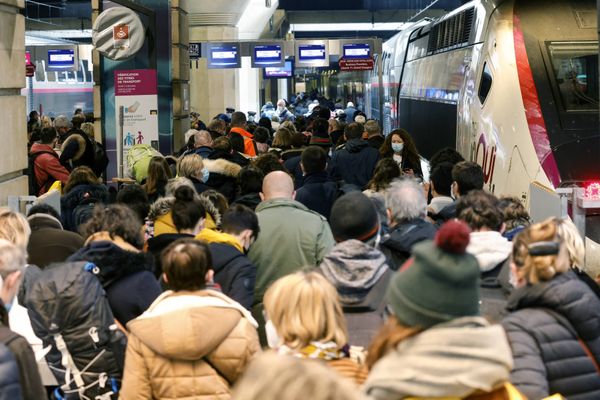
81 145
163 205
223 167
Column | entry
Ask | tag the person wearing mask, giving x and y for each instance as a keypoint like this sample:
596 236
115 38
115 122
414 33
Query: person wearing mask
238 125
192 167
440 181
282 112
318 191
435 344
191 342
400 146
46 164
466 176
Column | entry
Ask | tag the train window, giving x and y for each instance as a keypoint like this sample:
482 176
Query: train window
575 67
485 83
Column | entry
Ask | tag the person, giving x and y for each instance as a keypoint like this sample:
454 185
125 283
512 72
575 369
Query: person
386 171
439 349
46 165
274 377
303 236
349 111
49 242
400 146
188 216
305 320
192 167
356 267
374 136
159 174
238 125
134 197
554 321
268 163
320 134
318 191
82 191
282 112
249 183
12 265
217 128
222 176
113 240
237 143
282 141
355 163
191 342
262 138
336 132
515 216
440 185
234 272
202 144
466 176
77 148
406 211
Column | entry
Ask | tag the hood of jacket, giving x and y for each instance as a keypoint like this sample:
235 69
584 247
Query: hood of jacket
75 137
490 248
454 359
43 221
356 145
114 257
72 199
181 325
223 167
163 205
405 235
353 267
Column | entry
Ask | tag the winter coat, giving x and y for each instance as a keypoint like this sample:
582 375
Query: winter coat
291 237
29 377
445 214
10 386
78 150
234 273
249 148
250 200
157 244
355 163
397 246
490 249
376 141
202 151
318 193
293 166
125 274
547 322
360 275
162 222
199 186
223 177
449 360
188 345
69 201
47 167
48 242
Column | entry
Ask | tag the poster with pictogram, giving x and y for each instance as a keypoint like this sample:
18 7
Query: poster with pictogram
121 36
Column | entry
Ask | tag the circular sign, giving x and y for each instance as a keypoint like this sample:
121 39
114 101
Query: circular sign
118 33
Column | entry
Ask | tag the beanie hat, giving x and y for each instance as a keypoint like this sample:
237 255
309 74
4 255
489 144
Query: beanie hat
353 216
439 283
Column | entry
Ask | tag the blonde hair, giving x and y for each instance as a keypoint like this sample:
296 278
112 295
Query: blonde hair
274 377
88 128
14 227
537 269
190 166
569 235
304 307
289 125
46 122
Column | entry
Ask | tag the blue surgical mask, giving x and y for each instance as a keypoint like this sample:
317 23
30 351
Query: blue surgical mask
205 174
397 147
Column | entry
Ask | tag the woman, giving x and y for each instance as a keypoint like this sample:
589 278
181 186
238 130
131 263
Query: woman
554 324
305 319
113 240
188 216
159 174
514 215
386 171
435 344
400 146
192 167
81 193
191 343
282 141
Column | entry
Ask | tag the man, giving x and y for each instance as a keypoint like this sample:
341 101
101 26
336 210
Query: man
349 111
234 272
77 148
46 164
202 144
291 236
238 125
283 113
466 176
355 162
318 192
440 181
406 204
374 136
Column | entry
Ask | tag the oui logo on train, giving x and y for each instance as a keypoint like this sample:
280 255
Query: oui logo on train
487 159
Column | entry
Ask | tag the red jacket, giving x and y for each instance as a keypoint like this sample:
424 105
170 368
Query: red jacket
47 167
248 142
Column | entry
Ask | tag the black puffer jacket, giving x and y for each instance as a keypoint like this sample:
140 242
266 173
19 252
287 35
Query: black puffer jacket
78 195
234 272
546 322
10 388
397 246
318 193
355 163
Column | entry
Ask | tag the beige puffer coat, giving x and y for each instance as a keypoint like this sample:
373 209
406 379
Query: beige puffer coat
188 345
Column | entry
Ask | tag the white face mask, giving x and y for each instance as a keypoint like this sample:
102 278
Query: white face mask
273 339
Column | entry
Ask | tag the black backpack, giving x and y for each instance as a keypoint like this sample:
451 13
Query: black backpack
34 188
83 212
100 158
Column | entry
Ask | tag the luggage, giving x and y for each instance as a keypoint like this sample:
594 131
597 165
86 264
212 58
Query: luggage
138 160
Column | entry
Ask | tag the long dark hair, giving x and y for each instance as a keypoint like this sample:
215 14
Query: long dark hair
409 151
386 171
158 173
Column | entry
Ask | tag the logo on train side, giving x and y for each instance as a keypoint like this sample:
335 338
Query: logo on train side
489 158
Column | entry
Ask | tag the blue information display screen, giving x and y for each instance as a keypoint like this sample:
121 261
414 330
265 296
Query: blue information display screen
267 55
356 51
280 72
312 52
223 55
61 58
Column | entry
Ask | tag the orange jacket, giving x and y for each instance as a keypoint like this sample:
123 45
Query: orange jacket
248 142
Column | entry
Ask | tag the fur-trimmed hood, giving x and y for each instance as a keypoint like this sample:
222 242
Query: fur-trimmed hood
163 206
222 166
81 145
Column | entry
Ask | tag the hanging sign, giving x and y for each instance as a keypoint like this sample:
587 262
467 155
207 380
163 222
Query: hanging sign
356 64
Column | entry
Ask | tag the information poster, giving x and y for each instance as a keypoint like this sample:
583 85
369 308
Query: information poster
136 92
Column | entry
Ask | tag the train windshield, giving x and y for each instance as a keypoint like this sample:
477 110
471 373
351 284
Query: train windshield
575 67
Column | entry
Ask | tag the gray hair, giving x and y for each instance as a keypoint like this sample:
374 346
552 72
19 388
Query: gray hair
62 122
372 128
12 258
202 138
406 200
176 183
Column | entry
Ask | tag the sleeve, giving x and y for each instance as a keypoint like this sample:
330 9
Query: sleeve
333 169
29 376
55 169
69 152
529 372
136 377
148 289
325 242
242 287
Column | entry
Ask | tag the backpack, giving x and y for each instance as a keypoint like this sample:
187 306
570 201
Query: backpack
34 188
83 211
70 313
100 158
138 160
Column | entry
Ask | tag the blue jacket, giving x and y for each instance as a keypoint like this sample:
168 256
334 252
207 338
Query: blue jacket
318 193
355 163
543 328
78 195
234 272
10 388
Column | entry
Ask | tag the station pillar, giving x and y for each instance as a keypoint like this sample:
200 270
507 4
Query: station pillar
13 151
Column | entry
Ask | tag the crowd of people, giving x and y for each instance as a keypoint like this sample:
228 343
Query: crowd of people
317 260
